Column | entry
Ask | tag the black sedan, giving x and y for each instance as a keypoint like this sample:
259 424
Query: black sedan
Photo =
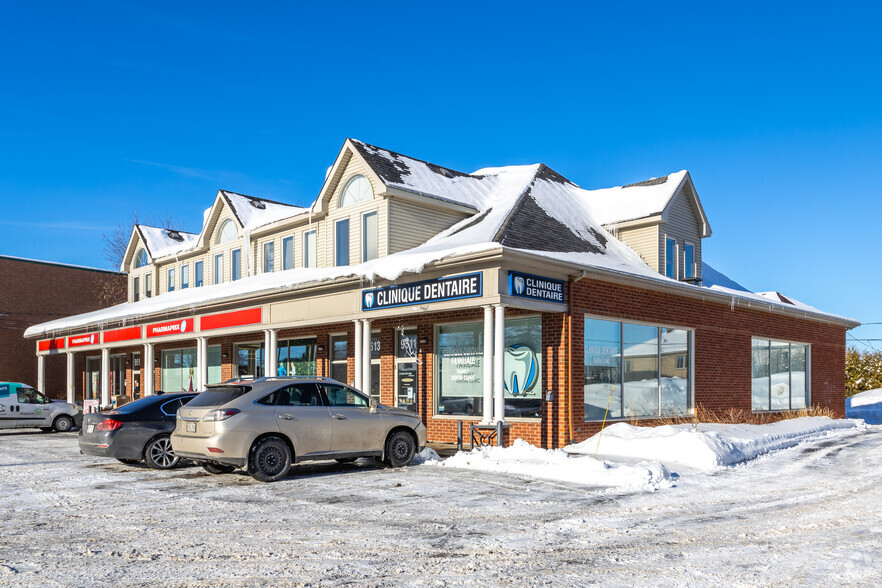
135 431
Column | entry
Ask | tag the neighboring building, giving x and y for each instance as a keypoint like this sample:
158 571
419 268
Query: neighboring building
505 294
33 292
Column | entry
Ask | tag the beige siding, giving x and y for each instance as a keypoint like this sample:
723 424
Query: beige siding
412 224
645 241
682 225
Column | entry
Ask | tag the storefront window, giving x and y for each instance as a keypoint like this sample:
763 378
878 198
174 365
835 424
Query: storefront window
779 373
522 367
460 369
214 364
179 373
296 357
635 370
93 378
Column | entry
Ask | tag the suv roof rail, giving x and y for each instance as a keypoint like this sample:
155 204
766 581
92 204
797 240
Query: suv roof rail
296 377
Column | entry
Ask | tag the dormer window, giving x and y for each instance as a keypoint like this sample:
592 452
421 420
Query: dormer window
357 190
227 232
140 258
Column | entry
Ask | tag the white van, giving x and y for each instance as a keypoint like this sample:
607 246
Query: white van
23 407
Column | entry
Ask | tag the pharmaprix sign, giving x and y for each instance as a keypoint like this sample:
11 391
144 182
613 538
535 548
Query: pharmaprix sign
452 288
170 328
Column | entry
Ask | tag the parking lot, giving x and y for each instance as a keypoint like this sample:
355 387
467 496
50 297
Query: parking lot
805 516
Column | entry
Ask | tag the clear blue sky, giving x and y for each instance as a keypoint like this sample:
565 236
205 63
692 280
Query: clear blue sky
112 107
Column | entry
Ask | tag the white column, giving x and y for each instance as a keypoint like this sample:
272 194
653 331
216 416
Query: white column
273 353
357 345
488 365
41 373
147 370
105 376
498 356
202 361
267 366
70 377
366 358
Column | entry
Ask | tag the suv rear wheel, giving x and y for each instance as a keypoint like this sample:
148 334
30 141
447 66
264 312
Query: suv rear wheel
270 460
400 449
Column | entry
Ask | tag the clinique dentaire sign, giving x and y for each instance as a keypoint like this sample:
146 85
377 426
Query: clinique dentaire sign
451 288
536 287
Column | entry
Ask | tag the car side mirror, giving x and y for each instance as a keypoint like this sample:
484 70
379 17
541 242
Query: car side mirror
374 405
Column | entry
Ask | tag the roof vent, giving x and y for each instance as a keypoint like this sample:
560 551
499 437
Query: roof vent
174 235
257 204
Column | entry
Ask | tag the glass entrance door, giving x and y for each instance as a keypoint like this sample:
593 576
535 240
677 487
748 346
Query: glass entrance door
406 370
136 376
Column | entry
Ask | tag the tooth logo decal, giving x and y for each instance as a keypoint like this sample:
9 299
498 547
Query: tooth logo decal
369 299
519 285
520 371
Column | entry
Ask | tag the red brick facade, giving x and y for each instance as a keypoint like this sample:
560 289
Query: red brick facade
722 350
33 292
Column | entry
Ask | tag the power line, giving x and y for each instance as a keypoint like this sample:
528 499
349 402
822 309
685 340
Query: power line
864 342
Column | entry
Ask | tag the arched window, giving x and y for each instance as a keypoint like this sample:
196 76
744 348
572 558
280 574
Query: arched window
227 232
357 190
140 258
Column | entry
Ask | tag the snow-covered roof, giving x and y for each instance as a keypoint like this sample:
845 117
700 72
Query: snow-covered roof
164 242
253 212
527 208
640 200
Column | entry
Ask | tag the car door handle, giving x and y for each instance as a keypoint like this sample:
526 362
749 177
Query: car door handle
287 417
340 416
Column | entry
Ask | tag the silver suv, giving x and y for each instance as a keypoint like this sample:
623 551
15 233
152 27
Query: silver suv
267 424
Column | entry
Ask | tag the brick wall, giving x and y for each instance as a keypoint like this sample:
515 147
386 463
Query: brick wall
35 292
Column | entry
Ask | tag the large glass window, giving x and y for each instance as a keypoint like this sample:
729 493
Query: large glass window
780 375
93 378
214 364
179 372
339 354
358 189
296 357
522 367
171 279
342 242
185 276
369 236
460 358
237 264
219 268
309 251
671 258
636 370
288 253
268 257
198 275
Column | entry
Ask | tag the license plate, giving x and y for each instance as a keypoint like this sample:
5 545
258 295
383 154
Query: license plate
191 427
90 428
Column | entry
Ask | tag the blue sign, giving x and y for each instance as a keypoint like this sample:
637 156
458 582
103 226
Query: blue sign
536 287
5 390
452 288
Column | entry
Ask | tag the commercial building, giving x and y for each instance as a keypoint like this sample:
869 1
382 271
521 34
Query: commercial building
33 292
507 294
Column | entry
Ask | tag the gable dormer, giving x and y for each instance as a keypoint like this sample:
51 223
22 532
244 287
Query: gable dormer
662 219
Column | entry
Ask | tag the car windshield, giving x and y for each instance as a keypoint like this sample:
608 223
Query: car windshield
218 396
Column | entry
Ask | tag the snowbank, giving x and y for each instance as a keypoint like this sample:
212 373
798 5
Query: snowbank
706 446
523 459
866 405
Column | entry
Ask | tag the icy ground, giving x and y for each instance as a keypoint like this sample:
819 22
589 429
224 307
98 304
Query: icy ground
807 515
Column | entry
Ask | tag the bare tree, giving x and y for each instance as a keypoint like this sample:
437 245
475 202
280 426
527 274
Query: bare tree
116 241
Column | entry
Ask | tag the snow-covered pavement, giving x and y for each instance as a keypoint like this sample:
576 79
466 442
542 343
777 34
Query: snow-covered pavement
807 515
